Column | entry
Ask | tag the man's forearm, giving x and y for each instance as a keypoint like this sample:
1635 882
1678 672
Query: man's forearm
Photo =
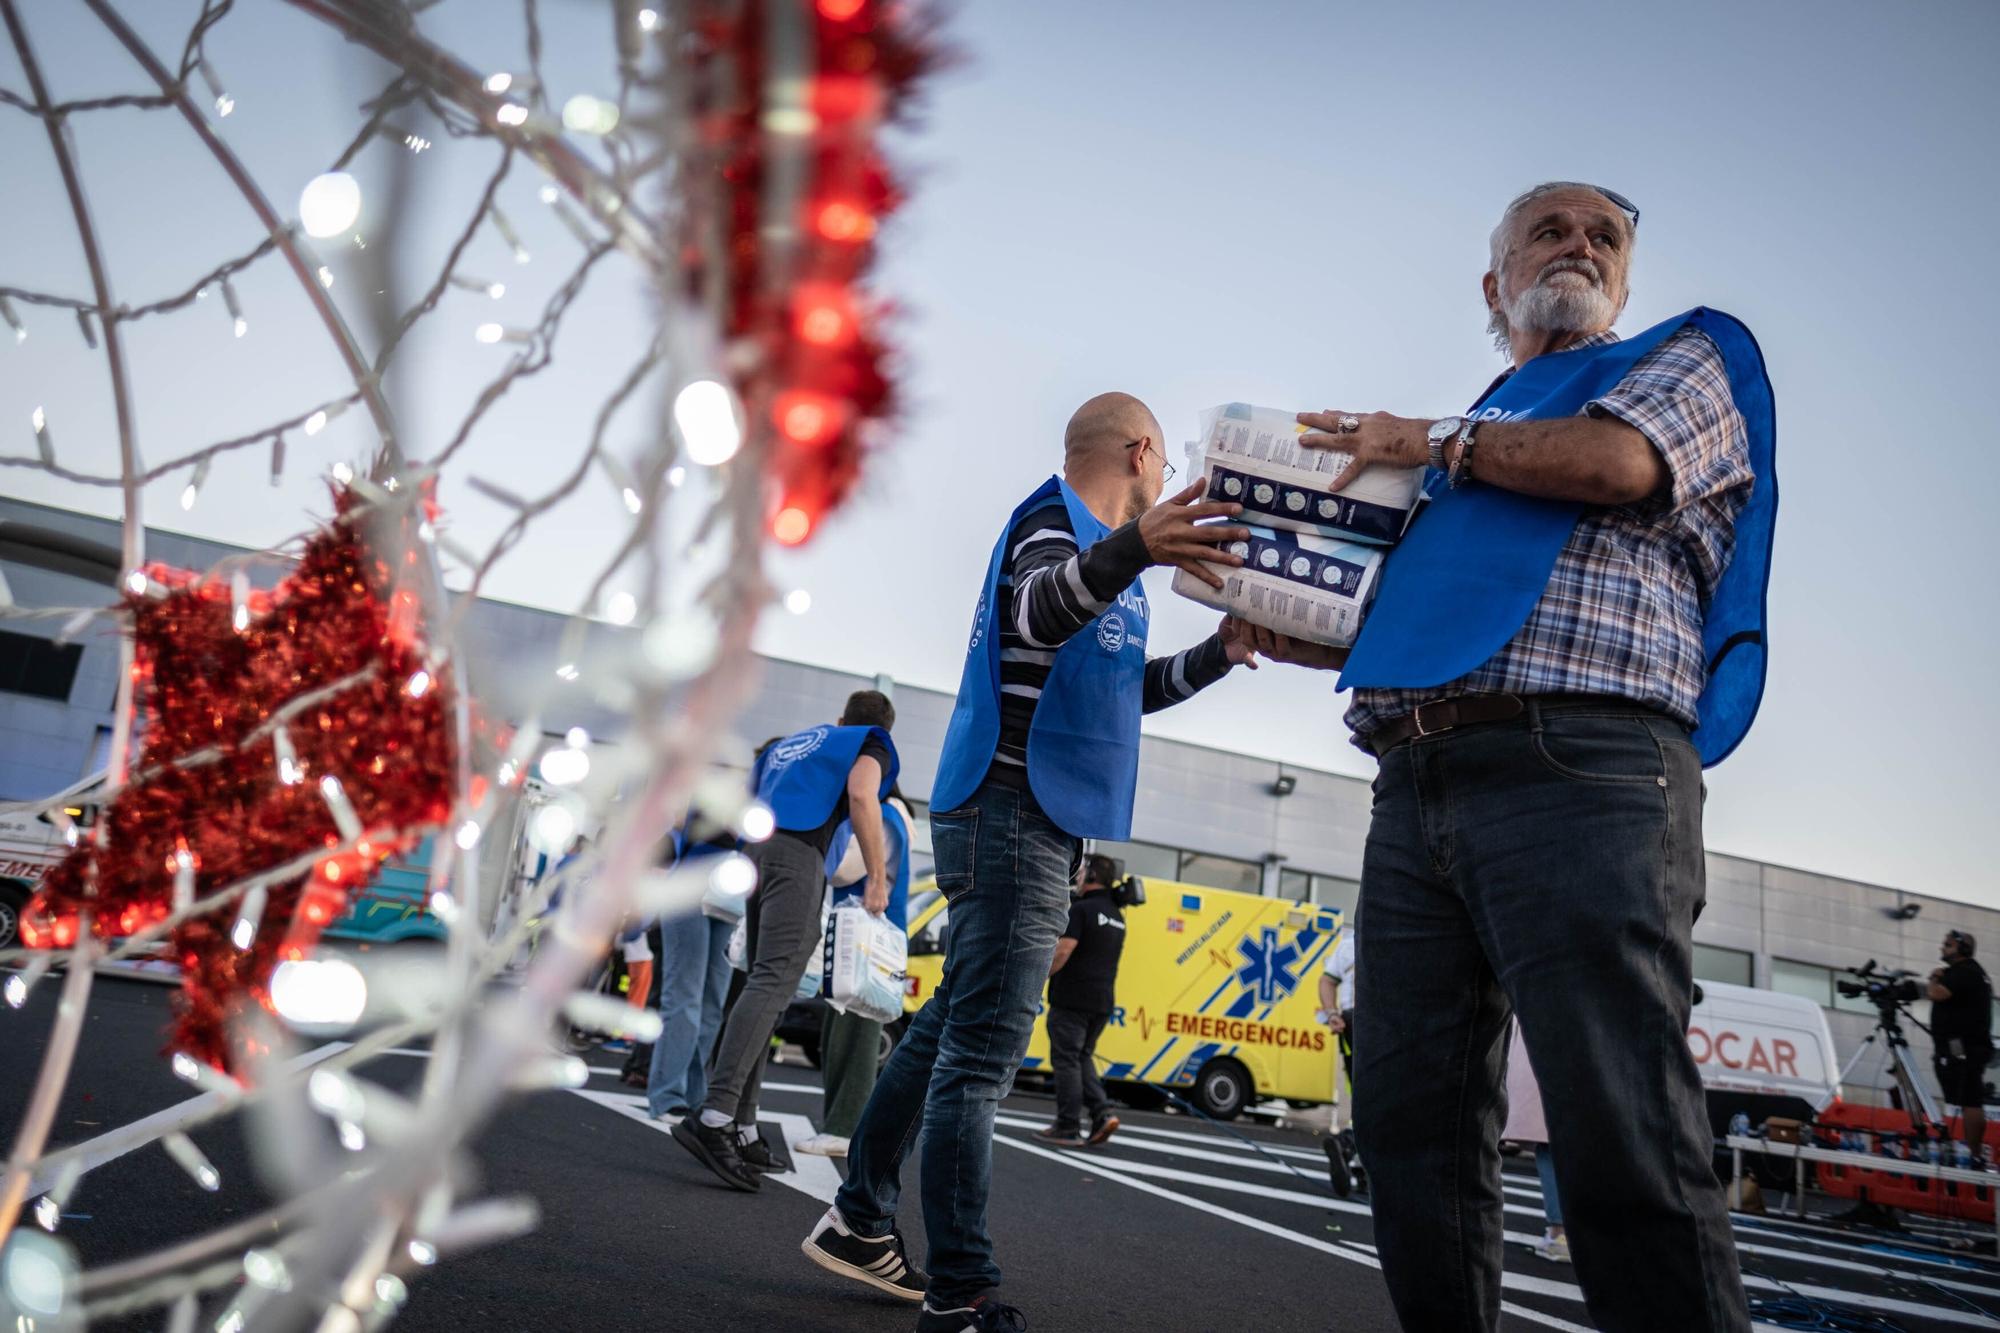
1176 679
1590 460
866 817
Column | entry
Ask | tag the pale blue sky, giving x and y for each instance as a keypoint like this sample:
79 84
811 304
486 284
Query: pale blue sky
1284 203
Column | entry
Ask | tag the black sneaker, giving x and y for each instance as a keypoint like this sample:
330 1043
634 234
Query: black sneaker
716 1150
756 1155
1103 1128
988 1314
883 1264
1339 1174
1058 1137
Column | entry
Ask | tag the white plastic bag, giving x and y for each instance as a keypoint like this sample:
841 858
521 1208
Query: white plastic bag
867 958
812 982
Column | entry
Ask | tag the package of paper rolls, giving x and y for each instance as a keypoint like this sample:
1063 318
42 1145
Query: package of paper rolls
1251 455
1307 587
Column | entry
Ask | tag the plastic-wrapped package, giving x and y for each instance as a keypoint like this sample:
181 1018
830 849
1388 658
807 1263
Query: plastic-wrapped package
867 958
1251 455
1307 587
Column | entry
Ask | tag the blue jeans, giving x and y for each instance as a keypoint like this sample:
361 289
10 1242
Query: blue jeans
694 980
1545 1167
1551 864
1005 869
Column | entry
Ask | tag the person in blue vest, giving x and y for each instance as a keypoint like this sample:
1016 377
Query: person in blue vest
851 1045
1570 630
694 978
1042 751
814 781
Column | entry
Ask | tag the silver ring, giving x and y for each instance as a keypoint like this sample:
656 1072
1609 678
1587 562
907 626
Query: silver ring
1349 424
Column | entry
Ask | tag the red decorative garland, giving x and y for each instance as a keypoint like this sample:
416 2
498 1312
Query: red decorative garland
202 683
820 381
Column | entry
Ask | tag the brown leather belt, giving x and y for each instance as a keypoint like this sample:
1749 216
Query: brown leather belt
1436 715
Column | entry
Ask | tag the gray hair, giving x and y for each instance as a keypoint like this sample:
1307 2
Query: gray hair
1499 249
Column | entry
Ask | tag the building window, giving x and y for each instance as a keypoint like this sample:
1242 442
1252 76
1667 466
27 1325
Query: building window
37 667
1730 966
1221 872
1302 886
1812 981
1145 859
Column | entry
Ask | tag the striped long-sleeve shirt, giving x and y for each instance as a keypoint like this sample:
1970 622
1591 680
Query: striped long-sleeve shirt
1048 591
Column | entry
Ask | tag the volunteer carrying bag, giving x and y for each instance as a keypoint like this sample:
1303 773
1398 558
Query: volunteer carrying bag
866 958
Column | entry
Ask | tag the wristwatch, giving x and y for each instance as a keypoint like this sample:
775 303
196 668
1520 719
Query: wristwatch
1439 435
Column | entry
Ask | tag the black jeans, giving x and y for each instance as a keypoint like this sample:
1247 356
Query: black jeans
1551 864
1072 1054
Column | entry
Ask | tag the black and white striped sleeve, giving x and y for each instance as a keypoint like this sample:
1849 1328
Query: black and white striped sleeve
1176 679
1057 589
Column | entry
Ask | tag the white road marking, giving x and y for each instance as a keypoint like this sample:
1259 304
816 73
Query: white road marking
815 1177
113 1144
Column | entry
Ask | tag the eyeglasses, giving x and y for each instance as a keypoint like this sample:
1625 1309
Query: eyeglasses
1626 206
1166 468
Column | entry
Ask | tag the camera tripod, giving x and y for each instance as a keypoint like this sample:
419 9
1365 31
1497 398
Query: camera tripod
1918 1103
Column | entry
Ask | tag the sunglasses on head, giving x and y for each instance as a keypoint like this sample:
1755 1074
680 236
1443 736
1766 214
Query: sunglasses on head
1624 205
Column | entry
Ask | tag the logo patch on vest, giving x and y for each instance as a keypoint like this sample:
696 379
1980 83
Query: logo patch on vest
1111 632
794 748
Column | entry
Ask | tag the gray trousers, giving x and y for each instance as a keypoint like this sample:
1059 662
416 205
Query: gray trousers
781 930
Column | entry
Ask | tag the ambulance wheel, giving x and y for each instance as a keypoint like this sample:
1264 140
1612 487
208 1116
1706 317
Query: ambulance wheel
1223 1089
13 898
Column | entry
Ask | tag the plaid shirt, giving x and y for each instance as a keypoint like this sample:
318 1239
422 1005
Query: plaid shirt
1622 614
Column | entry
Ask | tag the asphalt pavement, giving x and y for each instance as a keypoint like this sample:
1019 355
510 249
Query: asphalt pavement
1175 1224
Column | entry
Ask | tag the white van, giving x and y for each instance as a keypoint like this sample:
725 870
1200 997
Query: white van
1761 1052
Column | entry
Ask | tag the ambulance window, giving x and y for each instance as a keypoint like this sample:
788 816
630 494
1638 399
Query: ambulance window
1730 966
1222 872
1815 983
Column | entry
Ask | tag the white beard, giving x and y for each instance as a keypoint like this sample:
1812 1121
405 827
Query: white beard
1561 307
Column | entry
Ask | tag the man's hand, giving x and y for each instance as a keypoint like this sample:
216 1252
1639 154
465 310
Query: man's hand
1282 648
875 898
1335 1023
1175 535
1234 645
1376 437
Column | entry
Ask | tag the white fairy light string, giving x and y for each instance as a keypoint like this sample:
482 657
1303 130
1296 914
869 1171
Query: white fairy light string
382 1200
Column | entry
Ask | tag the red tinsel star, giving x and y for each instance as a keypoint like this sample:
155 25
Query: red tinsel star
212 668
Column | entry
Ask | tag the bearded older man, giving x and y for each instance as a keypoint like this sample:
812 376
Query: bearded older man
1569 630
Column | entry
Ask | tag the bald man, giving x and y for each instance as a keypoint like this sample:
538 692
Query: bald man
1042 752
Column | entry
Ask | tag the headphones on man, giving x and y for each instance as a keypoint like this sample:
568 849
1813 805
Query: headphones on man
1964 941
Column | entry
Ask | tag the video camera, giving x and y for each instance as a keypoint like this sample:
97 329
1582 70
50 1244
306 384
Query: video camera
1126 890
1884 990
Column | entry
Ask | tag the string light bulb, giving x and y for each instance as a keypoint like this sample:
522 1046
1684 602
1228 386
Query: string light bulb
251 916
705 414
330 204
791 526
224 103
499 83
13 320
44 445
193 488
511 114
798 601
509 235
621 608
807 418
496 290
241 324
649 20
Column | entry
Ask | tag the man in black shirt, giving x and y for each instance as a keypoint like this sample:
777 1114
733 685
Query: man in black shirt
1962 1028
1081 985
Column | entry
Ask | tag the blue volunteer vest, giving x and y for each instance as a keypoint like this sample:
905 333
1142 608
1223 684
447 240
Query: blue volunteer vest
1083 747
1466 577
899 865
802 776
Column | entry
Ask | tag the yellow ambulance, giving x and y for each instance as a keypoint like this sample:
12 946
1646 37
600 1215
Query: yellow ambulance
1216 995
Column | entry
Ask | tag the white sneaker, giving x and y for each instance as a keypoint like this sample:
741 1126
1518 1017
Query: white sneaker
1555 1249
823 1145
